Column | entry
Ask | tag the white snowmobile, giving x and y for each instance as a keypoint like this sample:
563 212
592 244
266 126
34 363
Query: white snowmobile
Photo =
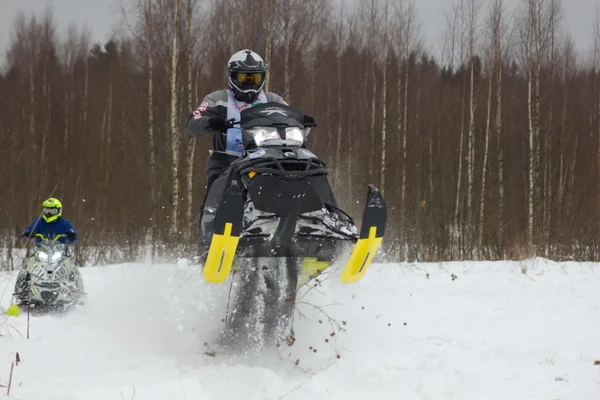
49 281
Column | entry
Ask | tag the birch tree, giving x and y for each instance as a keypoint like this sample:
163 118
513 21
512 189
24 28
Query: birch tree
406 18
269 41
384 105
494 66
174 120
191 40
286 51
457 27
149 42
497 18
537 27
596 64
372 17
339 40
473 8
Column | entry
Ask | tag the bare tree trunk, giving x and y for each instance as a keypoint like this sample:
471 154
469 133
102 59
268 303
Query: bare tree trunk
108 137
268 42
286 44
47 96
572 168
174 120
372 17
456 230
384 105
232 14
383 129
86 79
561 177
418 206
404 135
399 111
191 142
338 147
150 108
68 98
597 70
540 27
499 135
485 164
471 149
547 178
598 118
350 164
32 107
531 165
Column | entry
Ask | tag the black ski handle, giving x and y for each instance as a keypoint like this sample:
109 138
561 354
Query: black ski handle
232 122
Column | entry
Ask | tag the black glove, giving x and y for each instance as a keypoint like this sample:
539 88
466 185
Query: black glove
70 235
309 122
218 124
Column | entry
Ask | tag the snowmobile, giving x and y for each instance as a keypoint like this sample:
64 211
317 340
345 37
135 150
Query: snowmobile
273 217
49 281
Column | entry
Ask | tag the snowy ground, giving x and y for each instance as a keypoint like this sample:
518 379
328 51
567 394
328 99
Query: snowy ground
411 332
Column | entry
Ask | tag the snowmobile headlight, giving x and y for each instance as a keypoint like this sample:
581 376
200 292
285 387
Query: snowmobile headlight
261 135
56 256
294 135
43 257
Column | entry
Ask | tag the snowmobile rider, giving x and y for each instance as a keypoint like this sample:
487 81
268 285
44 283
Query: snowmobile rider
246 73
51 225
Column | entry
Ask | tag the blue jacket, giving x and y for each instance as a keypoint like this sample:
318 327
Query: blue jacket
49 230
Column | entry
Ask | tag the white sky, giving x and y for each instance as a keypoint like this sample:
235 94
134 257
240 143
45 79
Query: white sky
101 17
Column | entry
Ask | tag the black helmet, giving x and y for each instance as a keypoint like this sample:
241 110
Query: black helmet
246 73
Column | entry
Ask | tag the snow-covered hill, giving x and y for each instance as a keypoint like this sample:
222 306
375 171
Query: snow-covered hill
409 331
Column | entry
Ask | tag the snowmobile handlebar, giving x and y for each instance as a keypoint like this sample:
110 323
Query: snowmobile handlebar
309 122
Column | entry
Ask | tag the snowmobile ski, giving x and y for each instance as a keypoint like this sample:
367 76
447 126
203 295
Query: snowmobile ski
13 310
227 229
371 235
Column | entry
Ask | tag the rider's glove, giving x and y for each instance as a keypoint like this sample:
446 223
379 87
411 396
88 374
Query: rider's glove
217 124
70 235
309 122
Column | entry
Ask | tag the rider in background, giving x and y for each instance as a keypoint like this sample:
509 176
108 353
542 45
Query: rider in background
51 225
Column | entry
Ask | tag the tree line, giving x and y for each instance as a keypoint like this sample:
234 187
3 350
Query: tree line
485 148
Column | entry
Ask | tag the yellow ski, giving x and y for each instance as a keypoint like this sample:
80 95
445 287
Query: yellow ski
220 256
227 228
361 257
311 268
13 310
371 234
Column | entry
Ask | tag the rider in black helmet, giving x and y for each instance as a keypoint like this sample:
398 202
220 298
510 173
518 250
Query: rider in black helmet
246 73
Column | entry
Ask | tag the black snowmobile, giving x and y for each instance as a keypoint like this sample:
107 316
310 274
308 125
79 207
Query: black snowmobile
274 215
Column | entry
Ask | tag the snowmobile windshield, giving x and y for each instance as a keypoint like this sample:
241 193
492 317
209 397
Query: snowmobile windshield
272 114
272 124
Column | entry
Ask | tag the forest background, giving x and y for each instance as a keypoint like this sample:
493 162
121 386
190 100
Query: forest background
486 149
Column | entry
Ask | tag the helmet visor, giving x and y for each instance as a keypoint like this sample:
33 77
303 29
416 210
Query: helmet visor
50 211
243 78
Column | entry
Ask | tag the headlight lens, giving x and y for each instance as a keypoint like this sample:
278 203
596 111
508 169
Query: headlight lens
294 135
261 135
56 256
43 257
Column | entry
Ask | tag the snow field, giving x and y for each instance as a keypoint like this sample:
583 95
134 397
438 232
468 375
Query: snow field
476 330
